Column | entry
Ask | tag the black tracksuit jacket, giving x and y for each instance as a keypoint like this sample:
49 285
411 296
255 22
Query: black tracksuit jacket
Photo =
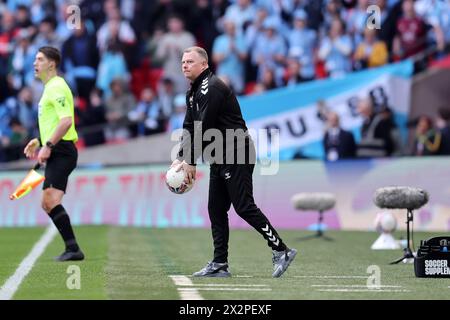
212 105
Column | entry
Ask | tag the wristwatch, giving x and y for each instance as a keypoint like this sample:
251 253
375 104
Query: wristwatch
50 145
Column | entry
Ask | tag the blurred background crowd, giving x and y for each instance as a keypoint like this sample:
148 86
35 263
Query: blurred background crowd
122 61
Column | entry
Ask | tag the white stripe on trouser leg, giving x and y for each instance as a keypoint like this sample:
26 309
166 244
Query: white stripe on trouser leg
271 237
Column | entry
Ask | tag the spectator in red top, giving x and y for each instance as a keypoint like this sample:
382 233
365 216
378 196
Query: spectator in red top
411 33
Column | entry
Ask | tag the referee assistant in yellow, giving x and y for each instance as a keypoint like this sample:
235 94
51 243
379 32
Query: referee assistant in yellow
57 139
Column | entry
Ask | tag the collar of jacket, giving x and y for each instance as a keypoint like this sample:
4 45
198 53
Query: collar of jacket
199 79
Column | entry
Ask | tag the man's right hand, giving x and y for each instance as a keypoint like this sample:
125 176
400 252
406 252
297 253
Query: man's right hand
175 163
31 147
189 171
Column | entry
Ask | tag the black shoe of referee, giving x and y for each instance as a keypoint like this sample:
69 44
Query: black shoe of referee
71 256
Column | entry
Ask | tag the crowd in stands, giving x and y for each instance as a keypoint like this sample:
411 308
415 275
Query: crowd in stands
381 137
123 58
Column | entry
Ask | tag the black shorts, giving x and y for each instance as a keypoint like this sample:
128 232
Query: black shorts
60 165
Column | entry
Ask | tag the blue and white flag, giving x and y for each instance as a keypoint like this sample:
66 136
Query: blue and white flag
294 111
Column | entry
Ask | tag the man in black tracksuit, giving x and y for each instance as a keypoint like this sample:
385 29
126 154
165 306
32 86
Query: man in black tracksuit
213 110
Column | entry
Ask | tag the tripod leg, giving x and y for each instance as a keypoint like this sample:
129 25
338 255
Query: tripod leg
397 261
319 224
408 253
320 232
308 237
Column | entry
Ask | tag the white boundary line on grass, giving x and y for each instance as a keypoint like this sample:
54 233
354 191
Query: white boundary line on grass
234 276
190 291
353 286
11 285
222 288
333 277
363 290
224 285
185 294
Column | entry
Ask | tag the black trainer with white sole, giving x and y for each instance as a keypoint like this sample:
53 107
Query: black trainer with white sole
70 256
281 261
214 269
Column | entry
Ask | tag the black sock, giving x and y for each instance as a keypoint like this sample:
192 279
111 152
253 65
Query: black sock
61 220
282 247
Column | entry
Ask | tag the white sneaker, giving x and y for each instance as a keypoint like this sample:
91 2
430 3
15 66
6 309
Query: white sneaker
214 269
281 261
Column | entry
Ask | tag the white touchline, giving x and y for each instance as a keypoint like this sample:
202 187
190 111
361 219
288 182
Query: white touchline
333 277
224 285
234 276
186 295
353 286
363 290
223 288
11 285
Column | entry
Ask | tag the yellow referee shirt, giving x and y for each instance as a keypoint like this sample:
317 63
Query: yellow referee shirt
56 103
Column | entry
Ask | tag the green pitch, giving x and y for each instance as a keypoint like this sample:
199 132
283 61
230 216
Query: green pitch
136 263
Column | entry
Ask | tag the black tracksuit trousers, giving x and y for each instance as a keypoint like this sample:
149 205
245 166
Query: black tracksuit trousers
232 184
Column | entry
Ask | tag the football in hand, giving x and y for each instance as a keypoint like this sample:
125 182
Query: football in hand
175 181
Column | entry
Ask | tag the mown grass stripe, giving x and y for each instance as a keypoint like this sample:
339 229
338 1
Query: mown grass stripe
11 285
52 280
138 267
15 244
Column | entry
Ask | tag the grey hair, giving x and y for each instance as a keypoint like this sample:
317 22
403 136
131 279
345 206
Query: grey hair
199 50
